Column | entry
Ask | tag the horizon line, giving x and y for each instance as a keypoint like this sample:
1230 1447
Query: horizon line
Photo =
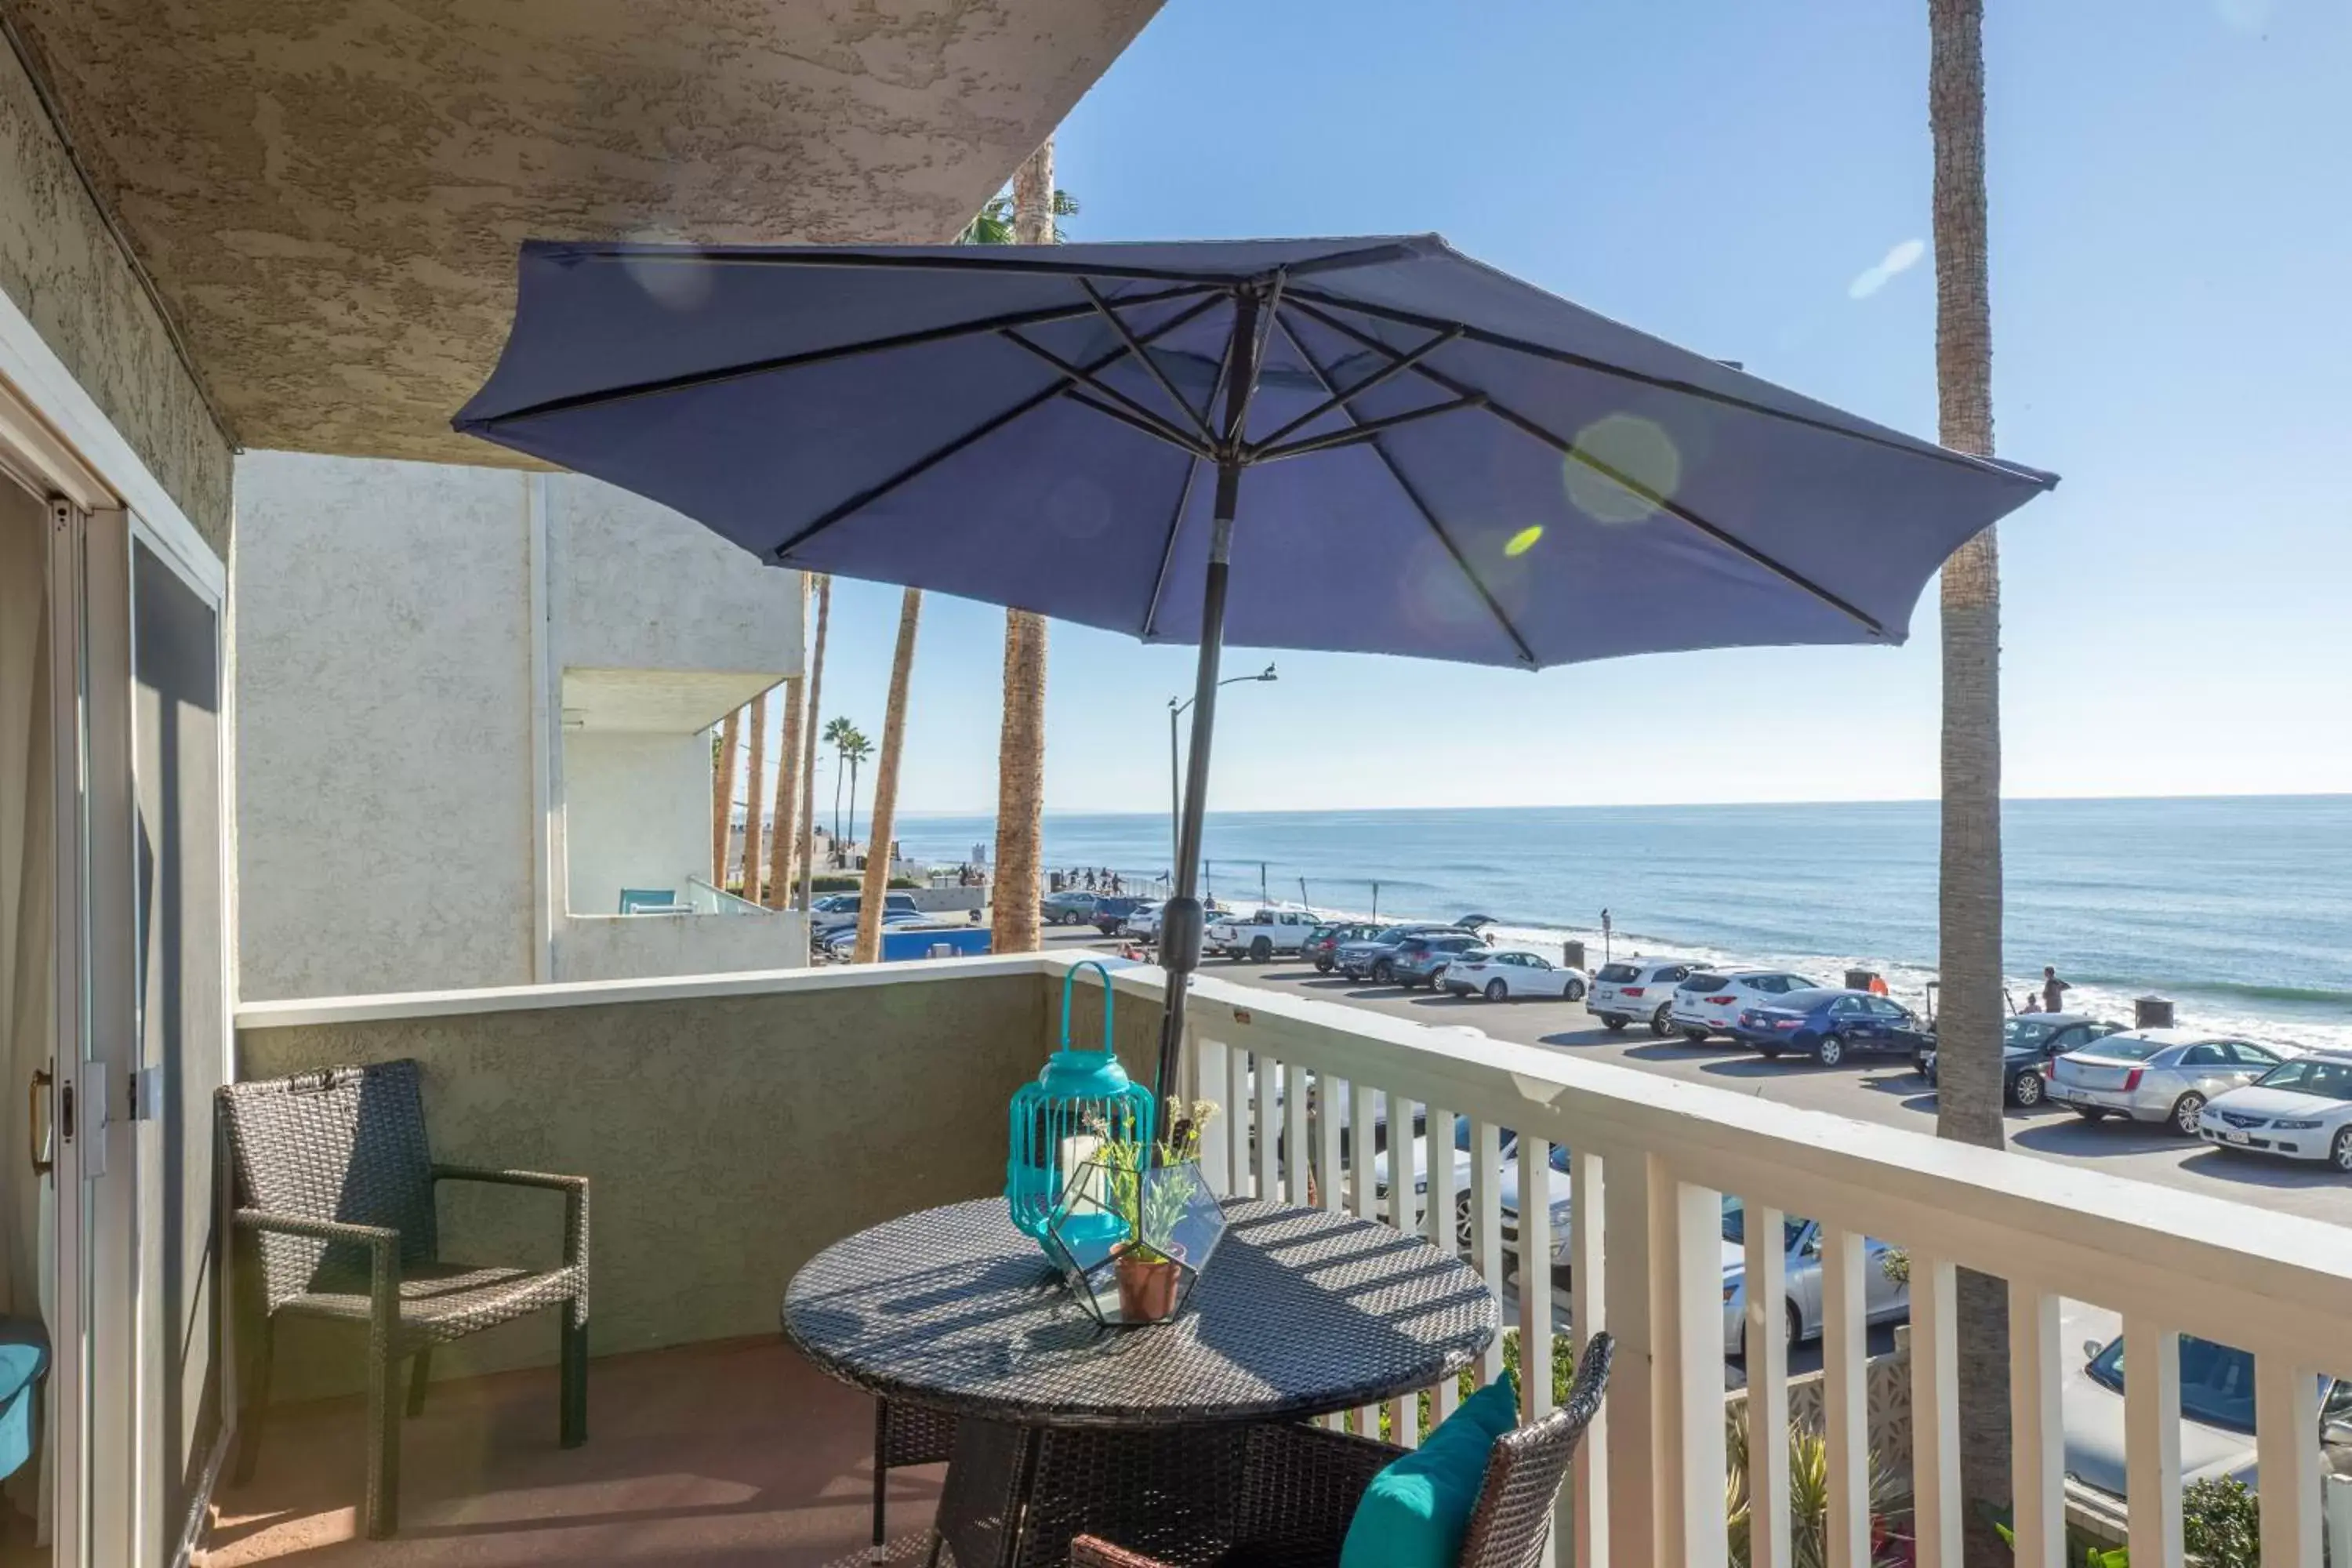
905 816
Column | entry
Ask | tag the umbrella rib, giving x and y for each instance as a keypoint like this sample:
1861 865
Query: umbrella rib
1363 429
1667 384
1127 336
994 261
1038 317
1168 549
1138 414
1394 368
989 426
1421 504
1569 450
1158 430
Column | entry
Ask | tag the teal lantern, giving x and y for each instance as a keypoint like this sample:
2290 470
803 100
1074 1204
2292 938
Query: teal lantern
1057 1121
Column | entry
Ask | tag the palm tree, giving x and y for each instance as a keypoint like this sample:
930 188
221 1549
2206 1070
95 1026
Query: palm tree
837 735
1021 743
757 770
855 749
783 836
809 741
886 784
722 795
1968 1091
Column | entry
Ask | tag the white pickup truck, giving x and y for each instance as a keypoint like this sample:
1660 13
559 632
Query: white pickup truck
1263 932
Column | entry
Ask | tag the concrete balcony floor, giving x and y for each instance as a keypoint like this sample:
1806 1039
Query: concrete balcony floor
723 1453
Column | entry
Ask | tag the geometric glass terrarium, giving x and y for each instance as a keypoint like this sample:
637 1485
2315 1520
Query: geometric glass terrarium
1132 1243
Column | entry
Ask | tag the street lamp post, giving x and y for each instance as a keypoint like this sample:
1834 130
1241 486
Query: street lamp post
1175 789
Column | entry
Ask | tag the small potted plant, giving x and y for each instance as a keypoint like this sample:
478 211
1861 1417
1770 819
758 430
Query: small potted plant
1152 1190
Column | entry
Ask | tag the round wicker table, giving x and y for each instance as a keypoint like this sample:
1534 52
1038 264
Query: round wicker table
1061 1422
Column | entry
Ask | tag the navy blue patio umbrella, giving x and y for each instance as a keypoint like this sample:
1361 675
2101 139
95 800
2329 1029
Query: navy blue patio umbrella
1370 444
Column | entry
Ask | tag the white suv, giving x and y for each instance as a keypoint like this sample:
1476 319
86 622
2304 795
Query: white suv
1708 1002
1263 932
1637 988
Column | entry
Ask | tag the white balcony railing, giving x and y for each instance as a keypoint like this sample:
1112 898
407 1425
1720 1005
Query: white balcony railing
1651 1160
705 899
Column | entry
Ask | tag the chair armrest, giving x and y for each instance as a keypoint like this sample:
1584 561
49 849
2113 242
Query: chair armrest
573 1188
382 1241
1094 1551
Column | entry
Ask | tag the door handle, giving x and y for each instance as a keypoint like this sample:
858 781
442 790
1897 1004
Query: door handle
36 1120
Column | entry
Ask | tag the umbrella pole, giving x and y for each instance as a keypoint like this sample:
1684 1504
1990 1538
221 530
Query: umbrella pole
1180 921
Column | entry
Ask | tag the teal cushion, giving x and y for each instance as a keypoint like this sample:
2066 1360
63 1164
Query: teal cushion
1415 1512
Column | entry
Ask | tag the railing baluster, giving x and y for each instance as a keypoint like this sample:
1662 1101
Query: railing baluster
1630 1285
1405 1412
1267 1182
1846 1425
1769 1540
2286 1423
1440 1225
1209 1079
1939 1514
1534 1252
1695 1226
1586 1498
2152 1441
1486 1228
1297 1159
1364 1104
1241 1123
2037 1436
1330 1119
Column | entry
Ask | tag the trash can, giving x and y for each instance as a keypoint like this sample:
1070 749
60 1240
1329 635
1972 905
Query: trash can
1860 979
1571 954
2151 1011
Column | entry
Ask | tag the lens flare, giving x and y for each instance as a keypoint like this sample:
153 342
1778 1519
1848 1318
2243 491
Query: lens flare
1524 541
1628 445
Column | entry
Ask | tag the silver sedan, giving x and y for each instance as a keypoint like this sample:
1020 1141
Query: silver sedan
2156 1075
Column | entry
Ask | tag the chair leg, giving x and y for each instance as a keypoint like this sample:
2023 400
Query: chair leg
257 1399
573 1362
383 1441
420 1372
880 1549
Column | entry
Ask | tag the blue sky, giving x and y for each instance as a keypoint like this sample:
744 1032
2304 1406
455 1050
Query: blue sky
2171 257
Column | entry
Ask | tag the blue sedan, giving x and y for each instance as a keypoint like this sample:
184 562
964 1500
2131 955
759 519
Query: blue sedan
1829 1025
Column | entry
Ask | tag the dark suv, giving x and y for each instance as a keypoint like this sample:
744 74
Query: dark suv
1112 913
1322 945
1420 960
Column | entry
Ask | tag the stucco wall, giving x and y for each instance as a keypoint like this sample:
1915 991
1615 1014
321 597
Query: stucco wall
384 748
637 813
64 270
728 1137
636 947
637 586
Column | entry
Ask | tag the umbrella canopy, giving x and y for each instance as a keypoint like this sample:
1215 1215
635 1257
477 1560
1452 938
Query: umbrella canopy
1372 445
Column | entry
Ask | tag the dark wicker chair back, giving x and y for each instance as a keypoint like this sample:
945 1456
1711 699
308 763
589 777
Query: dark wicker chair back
1526 1469
344 1144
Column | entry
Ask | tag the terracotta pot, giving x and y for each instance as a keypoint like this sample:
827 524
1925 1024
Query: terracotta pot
1147 1290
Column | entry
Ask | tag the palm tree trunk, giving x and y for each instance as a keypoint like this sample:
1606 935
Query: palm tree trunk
722 796
1021 743
783 830
840 777
1968 1025
884 821
757 769
808 743
853 761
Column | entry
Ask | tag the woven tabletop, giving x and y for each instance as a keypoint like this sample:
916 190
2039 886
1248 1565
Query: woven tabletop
1301 1311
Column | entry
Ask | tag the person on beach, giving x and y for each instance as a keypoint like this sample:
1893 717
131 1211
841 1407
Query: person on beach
2052 989
1878 985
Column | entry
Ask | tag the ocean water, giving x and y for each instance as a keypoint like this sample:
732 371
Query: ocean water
2239 909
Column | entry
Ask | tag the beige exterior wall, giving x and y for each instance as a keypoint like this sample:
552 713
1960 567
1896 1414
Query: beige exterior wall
728 1136
62 268
639 947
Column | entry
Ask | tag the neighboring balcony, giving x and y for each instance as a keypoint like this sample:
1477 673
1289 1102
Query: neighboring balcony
734 1125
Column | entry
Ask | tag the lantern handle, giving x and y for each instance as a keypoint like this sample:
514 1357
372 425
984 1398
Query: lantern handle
1068 982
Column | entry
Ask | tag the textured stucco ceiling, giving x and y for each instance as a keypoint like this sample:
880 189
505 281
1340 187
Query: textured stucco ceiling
328 194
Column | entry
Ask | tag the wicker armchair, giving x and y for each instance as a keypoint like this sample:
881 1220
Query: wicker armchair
1301 1484
904 1435
334 1219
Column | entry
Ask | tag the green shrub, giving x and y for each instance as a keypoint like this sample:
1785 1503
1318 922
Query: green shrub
850 882
2221 1523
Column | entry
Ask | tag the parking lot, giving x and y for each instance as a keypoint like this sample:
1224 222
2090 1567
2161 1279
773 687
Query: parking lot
1885 1091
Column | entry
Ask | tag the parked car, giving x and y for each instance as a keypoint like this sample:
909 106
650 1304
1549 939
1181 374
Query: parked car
2300 1108
1142 922
1066 909
1475 923
1421 960
1260 934
1109 912
1829 1025
1324 941
1884 1300
1374 957
2217 1411
2029 1042
840 942
838 911
1505 974
1708 1002
2156 1075
1637 988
